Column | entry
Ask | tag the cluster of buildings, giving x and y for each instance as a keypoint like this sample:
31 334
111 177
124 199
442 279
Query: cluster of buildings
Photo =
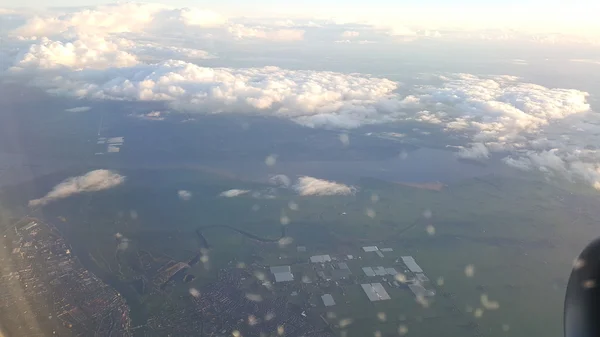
225 308
60 291
404 273
113 144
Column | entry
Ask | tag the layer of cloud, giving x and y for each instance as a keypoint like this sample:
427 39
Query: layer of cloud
550 130
79 109
92 181
310 186
233 193
310 98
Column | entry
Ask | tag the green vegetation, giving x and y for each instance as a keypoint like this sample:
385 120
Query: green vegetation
519 234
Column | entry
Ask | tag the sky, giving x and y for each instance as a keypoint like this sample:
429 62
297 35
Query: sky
557 16
313 66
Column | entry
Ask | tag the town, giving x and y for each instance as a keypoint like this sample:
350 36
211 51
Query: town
57 294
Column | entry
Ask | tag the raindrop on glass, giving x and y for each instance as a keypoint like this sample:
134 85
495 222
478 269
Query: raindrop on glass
271 160
470 270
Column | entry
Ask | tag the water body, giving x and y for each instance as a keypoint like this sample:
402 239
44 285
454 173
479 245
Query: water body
419 166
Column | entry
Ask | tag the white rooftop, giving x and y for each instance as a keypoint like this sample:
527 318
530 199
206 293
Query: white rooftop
375 291
284 277
328 300
420 291
410 262
386 250
320 258
370 248
280 269
368 271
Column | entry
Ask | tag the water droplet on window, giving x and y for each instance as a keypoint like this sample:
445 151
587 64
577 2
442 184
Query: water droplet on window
285 241
403 155
470 270
269 316
370 213
430 229
505 327
252 320
345 139
400 278
374 197
427 214
284 220
345 322
377 333
589 284
194 292
254 297
440 281
487 304
381 316
330 315
255 207
259 275
271 160
402 330
204 258
469 309
241 265
578 264
280 330
293 206
422 301
133 214
478 313
236 333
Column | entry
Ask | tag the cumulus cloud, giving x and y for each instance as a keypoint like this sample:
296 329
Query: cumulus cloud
310 98
92 181
310 186
474 152
184 195
233 193
87 52
79 109
350 34
550 130
280 180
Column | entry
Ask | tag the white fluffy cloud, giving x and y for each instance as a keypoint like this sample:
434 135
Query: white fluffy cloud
92 181
233 193
88 52
310 98
350 34
79 109
474 151
184 195
544 129
310 186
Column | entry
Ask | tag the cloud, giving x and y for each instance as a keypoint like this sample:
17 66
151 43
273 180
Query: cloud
87 52
184 195
280 180
309 186
79 109
350 34
243 32
549 130
233 193
310 98
92 181
474 152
